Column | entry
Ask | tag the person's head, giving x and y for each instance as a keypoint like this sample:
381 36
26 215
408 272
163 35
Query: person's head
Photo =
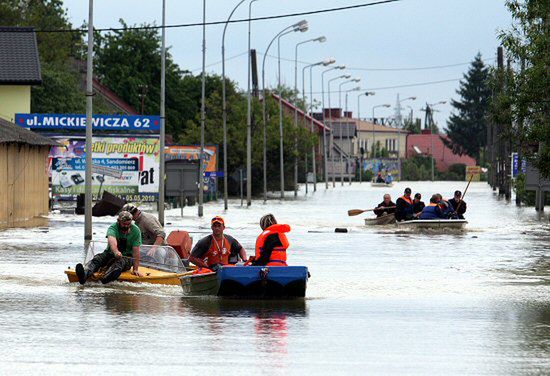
408 192
439 197
217 224
379 174
124 220
434 199
417 197
267 220
387 198
458 195
132 209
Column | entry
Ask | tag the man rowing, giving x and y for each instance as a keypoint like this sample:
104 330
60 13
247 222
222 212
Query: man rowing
387 206
404 204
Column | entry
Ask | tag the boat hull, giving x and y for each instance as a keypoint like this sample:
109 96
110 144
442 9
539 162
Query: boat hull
434 223
254 282
381 185
153 276
380 221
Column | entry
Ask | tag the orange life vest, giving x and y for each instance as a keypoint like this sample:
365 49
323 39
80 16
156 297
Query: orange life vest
217 253
278 255
407 199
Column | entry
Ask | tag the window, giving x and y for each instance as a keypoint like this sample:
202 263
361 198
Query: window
391 144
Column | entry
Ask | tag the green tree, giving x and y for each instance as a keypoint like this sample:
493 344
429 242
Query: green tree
467 128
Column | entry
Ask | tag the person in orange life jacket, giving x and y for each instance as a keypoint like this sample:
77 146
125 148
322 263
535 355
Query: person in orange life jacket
455 204
432 211
215 250
446 209
379 178
380 210
272 243
404 210
418 205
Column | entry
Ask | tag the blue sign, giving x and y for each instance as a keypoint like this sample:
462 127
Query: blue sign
78 122
515 165
213 174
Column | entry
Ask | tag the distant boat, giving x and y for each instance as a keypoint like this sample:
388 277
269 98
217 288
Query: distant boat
374 184
380 221
433 224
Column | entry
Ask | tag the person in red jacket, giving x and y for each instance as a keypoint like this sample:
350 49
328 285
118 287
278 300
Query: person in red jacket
272 243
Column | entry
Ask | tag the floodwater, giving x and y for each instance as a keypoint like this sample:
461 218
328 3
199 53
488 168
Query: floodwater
378 302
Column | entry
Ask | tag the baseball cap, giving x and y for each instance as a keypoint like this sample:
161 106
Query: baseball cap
408 190
124 216
217 219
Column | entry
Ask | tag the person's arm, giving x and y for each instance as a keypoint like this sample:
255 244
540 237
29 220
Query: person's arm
242 254
135 265
198 251
113 245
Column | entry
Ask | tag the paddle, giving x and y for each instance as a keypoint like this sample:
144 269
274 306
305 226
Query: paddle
354 212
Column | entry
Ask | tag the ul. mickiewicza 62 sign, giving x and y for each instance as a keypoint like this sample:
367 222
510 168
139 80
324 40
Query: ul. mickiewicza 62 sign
99 122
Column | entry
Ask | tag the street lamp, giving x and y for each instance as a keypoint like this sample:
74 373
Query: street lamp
249 115
400 123
358 88
373 135
321 39
357 79
430 117
203 110
224 107
300 26
366 94
345 76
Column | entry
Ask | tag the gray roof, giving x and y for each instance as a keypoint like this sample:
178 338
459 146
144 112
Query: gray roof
10 133
348 129
19 60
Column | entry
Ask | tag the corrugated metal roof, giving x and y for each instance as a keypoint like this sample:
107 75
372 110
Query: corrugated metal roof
19 60
10 132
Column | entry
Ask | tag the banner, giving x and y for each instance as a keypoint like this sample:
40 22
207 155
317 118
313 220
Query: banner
384 166
191 153
99 122
124 166
515 169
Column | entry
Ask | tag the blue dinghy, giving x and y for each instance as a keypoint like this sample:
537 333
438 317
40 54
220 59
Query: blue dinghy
249 282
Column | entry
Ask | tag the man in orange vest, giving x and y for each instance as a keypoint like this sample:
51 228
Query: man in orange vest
216 249
272 243
404 210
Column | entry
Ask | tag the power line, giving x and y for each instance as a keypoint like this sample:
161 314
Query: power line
403 86
195 24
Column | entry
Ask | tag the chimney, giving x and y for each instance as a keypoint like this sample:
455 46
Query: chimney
348 114
334 113
426 131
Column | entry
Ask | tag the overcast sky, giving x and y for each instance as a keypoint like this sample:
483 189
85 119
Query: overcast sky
383 41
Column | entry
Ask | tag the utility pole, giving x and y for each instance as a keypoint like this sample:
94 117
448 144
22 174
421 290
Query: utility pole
162 114
203 110
89 125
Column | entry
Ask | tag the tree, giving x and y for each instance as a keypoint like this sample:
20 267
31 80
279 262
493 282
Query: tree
467 127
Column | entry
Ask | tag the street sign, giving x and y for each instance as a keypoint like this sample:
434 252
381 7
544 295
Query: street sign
99 122
515 170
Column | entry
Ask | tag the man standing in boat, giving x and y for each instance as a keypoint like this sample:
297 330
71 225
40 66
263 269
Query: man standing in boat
216 249
404 210
458 204
152 232
418 205
122 253
385 207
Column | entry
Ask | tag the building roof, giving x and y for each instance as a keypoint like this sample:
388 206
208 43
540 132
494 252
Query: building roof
11 133
366 126
308 117
421 144
19 60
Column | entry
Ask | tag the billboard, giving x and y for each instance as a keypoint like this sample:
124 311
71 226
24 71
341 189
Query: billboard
125 166
383 165
191 153
99 122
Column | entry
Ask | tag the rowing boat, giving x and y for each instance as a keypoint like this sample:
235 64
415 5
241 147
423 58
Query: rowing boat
258 282
380 221
159 265
433 223
373 184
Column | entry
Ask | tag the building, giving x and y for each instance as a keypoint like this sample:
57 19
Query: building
423 144
19 70
23 176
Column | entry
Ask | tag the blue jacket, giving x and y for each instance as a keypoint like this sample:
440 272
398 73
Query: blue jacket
431 211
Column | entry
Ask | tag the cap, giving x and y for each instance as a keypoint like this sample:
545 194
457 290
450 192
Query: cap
417 195
124 216
217 219
458 193
132 209
408 190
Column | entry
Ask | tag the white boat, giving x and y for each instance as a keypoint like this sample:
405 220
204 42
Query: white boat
374 184
380 221
433 223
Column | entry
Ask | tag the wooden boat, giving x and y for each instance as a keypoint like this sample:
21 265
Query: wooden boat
255 282
374 184
433 224
380 221
159 265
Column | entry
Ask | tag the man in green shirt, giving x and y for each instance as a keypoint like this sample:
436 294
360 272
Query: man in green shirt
124 240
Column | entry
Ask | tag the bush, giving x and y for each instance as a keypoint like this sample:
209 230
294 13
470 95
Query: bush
416 168
457 172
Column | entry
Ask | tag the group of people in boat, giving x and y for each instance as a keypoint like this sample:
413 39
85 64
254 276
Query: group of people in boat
381 179
407 208
125 238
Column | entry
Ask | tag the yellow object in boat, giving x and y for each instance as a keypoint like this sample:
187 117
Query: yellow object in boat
157 277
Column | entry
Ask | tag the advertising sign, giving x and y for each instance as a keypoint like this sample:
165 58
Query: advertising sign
515 170
473 172
124 166
191 153
78 122
383 165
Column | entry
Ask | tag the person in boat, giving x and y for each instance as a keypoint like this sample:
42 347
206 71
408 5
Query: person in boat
121 254
379 178
389 179
432 211
152 232
385 207
272 243
458 204
215 250
418 205
404 207
446 209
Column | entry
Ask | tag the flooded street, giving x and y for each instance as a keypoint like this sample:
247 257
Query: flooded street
378 302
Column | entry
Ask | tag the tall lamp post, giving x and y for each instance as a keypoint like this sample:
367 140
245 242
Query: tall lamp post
89 114
249 115
300 26
162 114
203 110
374 153
325 146
366 94
358 88
344 76
224 107
357 79
400 124
321 39
429 110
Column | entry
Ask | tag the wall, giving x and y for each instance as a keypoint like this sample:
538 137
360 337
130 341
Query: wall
14 99
382 137
23 184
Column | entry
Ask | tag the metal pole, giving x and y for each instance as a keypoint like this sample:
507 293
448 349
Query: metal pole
281 142
429 109
313 161
296 119
305 122
325 146
373 135
224 107
203 110
249 120
89 125
331 136
162 114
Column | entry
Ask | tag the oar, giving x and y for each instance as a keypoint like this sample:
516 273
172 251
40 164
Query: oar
354 212
464 195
